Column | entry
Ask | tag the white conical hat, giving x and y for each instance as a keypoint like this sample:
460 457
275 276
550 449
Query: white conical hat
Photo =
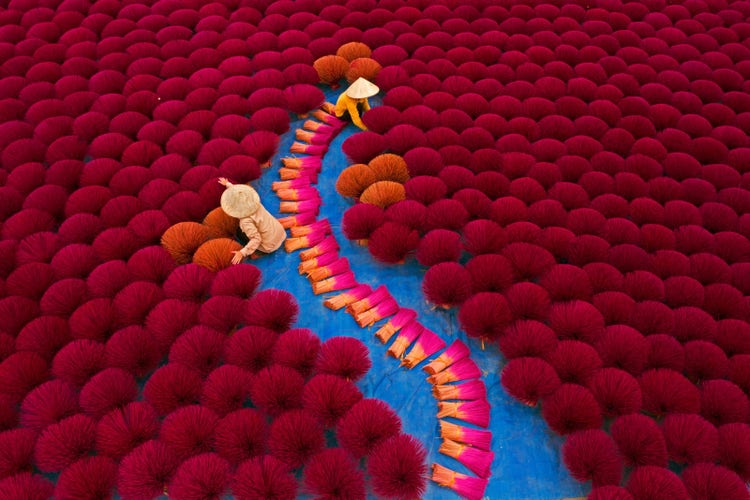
240 200
362 89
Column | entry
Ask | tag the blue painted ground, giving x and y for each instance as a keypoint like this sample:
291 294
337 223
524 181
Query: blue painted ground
527 455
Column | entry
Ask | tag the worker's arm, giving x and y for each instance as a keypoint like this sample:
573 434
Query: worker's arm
253 236
351 106
365 105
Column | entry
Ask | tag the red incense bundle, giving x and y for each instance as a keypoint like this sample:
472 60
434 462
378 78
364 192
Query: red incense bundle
310 240
476 460
475 412
476 438
307 162
426 345
327 118
287 174
470 488
307 266
404 339
383 309
344 299
457 351
463 369
315 138
308 149
299 194
473 389
327 245
403 317
341 282
300 207
336 267
301 183
380 294
314 126
297 220
320 225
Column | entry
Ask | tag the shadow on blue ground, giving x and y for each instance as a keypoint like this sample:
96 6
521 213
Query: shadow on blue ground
527 455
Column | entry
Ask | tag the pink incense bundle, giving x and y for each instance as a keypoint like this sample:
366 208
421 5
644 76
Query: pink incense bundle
328 119
319 138
457 351
300 207
308 162
344 299
476 460
308 149
308 175
310 240
297 220
404 339
463 369
473 437
300 183
473 389
426 345
386 308
320 225
475 412
336 267
380 294
340 282
314 126
299 194
403 317
329 244
471 488
307 266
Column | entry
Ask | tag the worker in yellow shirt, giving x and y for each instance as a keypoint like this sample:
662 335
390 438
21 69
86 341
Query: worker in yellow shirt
356 94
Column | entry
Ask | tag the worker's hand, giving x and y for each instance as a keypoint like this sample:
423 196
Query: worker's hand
237 257
224 181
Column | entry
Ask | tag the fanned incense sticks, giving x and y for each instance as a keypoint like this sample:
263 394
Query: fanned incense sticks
476 460
471 488
297 220
314 126
474 412
426 345
340 282
327 119
403 317
473 389
287 174
320 225
473 437
300 194
463 369
300 183
344 299
308 149
338 266
380 294
310 240
314 138
327 245
382 310
300 207
307 266
408 335
307 162
457 351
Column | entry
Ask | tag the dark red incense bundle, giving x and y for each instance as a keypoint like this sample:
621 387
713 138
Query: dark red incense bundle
397 468
591 455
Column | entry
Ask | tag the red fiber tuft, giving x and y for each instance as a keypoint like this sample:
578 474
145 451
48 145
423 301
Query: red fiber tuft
151 264
705 361
666 391
734 448
145 471
44 335
223 313
294 437
61 444
439 245
489 273
621 346
199 348
564 282
240 281
90 477
527 338
26 485
241 435
48 404
297 349
333 474
609 493
250 348
616 307
188 282
591 455
107 279
528 301
264 477
134 302
171 387
189 431
483 237
576 320
397 468
329 397
485 315
169 319
107 390
277 389
639 440
133 349
654 483
722 402
272 309
575 361
345 357
123 429
368 423
20 373
360 220
529 379
733 336
447 284
528 261
665 352
16 451
690 438
202 477
652 318
226 389
450 214
392 242
617 391
706 480
571 408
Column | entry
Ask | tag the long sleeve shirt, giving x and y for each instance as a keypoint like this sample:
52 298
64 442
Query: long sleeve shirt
264 232
346 103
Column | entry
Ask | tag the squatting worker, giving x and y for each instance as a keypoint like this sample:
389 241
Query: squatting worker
356 95
264 232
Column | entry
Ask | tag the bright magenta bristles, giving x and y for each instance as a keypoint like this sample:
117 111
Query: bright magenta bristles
344 299
310 240
477 461
463 369
319 225
302 163
314 126
297 220
307 266
426 345
381 310
405 338
379 295
473 389
316 138
327 118
471 488
329 244
455 352
287 174
475 412
403 317
340 282
473 437
300 183
300 194
308 149
336 267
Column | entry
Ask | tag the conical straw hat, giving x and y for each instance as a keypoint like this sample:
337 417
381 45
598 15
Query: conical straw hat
362 89
240 201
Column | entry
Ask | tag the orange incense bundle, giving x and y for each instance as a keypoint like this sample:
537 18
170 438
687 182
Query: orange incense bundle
298 194
307 266
314 126
426 345
403 317
457 351
473 389
297 220
379 295
476 460
344 299
329 244
342 281
307 241
308 149
470 488
473 437
382 310
302 182
336 267
320 225
475 412
300 207
463 369
404 339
